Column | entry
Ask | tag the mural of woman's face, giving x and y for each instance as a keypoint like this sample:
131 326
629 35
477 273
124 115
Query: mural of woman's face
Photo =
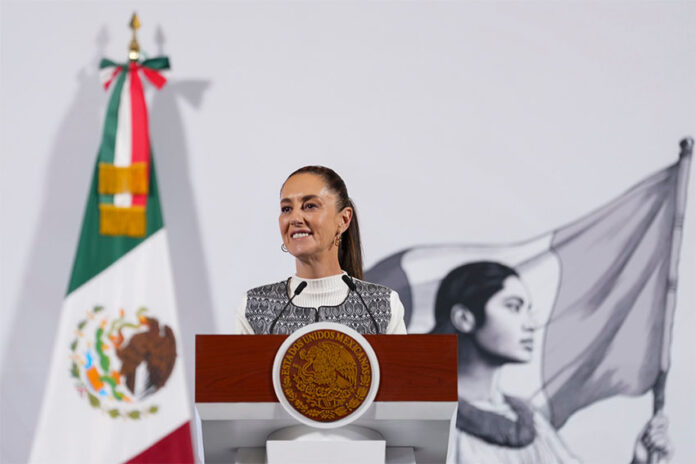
508 331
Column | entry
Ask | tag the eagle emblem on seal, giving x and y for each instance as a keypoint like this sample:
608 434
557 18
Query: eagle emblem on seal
330 371
325 375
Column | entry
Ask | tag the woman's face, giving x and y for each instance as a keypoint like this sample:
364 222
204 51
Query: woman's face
309 220
508 331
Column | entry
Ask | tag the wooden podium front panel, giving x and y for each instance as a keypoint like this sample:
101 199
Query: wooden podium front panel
237 368
416 367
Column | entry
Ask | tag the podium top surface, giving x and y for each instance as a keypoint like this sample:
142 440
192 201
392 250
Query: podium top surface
237 368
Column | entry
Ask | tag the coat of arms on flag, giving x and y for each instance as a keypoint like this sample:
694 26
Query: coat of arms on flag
117 380
117 362
603 292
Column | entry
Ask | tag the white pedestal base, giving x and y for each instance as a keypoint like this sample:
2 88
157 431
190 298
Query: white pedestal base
393 455
325 452
345 445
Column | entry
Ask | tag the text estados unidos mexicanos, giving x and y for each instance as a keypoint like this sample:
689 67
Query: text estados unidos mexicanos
324 335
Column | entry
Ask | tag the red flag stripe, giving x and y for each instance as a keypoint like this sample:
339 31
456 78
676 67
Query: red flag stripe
139 132
113 76
175 448
157 79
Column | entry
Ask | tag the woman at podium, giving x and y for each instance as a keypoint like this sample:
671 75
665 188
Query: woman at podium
319 227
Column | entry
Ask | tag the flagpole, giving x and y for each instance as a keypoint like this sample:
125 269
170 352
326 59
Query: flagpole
134 46
687 146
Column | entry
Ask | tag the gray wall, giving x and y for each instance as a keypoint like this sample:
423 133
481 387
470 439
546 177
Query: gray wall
450 121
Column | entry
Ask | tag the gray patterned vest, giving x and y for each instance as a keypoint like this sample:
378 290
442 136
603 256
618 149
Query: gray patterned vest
266 302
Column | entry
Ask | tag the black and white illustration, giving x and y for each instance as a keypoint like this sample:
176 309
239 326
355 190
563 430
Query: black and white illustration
579 315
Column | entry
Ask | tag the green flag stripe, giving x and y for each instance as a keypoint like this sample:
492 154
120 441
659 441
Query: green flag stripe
108 143
159 63
96 252
106 63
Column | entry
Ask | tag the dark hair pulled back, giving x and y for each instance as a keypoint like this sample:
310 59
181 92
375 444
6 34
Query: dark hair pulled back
470 285
350 250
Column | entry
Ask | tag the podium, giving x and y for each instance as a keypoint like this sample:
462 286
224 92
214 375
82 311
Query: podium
238 410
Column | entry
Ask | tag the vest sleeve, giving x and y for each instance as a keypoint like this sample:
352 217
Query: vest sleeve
242 324
396 323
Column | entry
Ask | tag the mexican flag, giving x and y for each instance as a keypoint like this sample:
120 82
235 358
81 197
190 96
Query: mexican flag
116 390
602 290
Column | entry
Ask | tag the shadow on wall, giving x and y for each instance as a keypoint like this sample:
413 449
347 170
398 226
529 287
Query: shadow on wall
37 312
168 140
180 217
68 175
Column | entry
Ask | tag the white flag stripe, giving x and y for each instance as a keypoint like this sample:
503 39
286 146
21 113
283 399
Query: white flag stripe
124 140
141 278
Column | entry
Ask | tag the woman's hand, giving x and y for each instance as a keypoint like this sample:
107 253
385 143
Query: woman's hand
653 439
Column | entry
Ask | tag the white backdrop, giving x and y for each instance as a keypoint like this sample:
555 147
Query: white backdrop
450 121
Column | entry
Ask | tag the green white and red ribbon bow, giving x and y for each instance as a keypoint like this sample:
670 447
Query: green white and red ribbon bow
125 146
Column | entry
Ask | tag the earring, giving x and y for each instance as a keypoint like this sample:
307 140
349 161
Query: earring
337 241
284 248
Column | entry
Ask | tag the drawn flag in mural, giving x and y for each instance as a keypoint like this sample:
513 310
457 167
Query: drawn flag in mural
603 287
116 390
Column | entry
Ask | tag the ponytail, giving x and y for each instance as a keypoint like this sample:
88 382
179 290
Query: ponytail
350 251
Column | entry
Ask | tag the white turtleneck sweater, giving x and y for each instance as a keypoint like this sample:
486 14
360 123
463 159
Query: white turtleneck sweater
327 291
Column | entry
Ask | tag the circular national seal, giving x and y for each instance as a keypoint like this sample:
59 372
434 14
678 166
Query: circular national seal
326 375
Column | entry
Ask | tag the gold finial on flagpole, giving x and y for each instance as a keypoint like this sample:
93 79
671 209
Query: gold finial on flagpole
134 50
